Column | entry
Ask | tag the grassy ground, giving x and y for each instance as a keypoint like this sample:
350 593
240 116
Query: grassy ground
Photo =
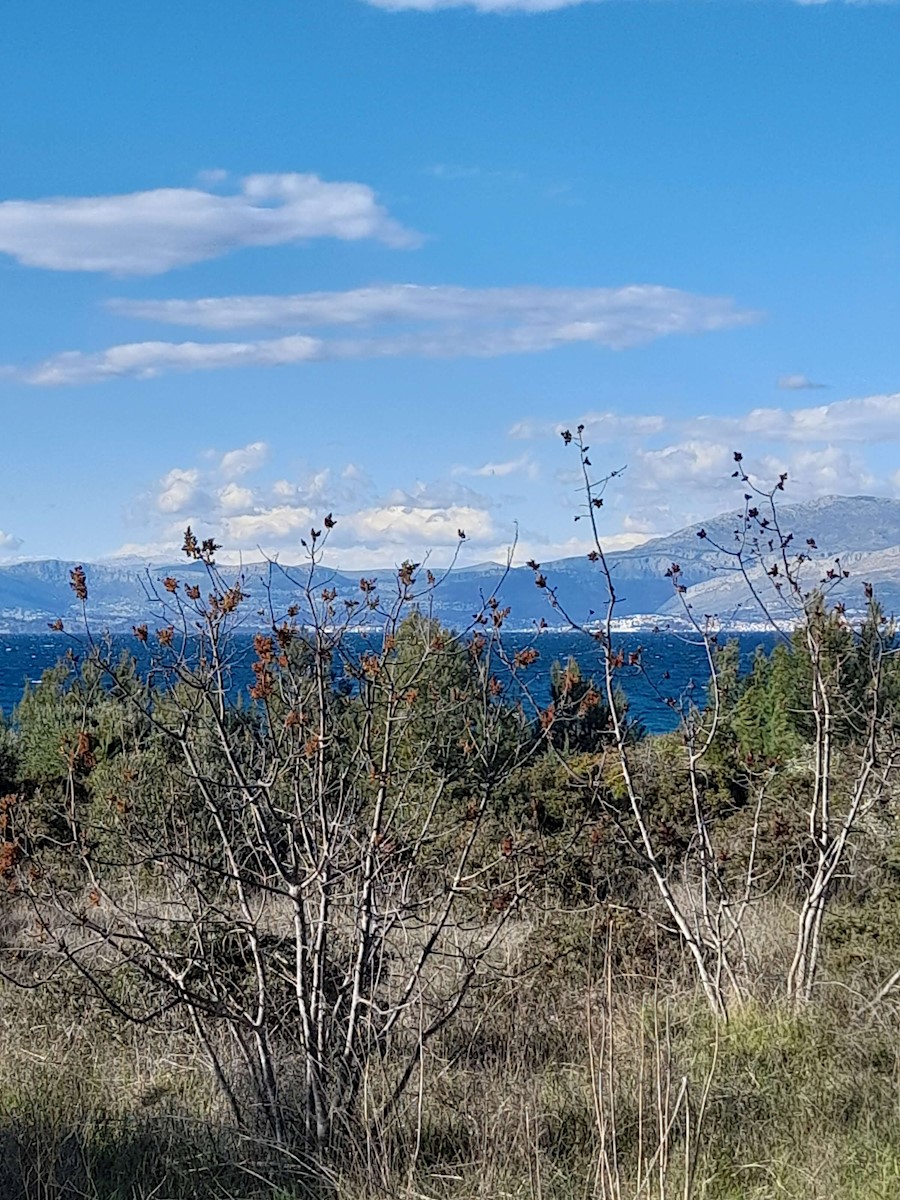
568 1081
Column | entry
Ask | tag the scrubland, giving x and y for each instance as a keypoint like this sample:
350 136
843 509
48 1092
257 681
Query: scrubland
385 927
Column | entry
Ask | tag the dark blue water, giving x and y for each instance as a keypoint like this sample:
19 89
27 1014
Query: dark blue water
674 668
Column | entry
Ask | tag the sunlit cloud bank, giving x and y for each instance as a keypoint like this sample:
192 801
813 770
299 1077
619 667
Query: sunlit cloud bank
858 419
239 498
678 470
862 419
668 473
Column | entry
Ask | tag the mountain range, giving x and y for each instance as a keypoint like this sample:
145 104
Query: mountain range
862 532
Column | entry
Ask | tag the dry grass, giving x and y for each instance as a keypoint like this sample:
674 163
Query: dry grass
561 1081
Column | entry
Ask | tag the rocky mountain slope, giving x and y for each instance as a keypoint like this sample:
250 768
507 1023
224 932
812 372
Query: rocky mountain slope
862 531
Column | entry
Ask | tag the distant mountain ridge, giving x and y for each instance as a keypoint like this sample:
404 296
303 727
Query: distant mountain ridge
863 531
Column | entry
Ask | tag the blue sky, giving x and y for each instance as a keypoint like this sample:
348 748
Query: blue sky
261 262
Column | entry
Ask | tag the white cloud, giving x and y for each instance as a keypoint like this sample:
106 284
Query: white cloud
9 543
821 472
354 472
695 462
665 487
321 487
179 490
458 322
234 498
799 383
147 233
613 316
251 457
860 419
679 470
276 523
668 487
408 528
146 360
545 550
422 527
188 490
275 513
646 524
379 532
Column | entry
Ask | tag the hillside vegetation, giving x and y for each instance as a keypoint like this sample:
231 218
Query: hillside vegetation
378 930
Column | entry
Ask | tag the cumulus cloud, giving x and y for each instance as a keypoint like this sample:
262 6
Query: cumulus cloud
193 491
274 513
799 383
234 498
447 493
8 543
860 419
679 469
180 490
147 233
212 176
404 524
675 475
268 524
435 322
404 529
829 470
251 457
690 462
668 487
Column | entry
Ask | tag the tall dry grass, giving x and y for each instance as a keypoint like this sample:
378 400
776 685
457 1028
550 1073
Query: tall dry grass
578 1069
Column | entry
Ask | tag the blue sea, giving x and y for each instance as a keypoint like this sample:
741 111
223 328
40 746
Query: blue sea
674 667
